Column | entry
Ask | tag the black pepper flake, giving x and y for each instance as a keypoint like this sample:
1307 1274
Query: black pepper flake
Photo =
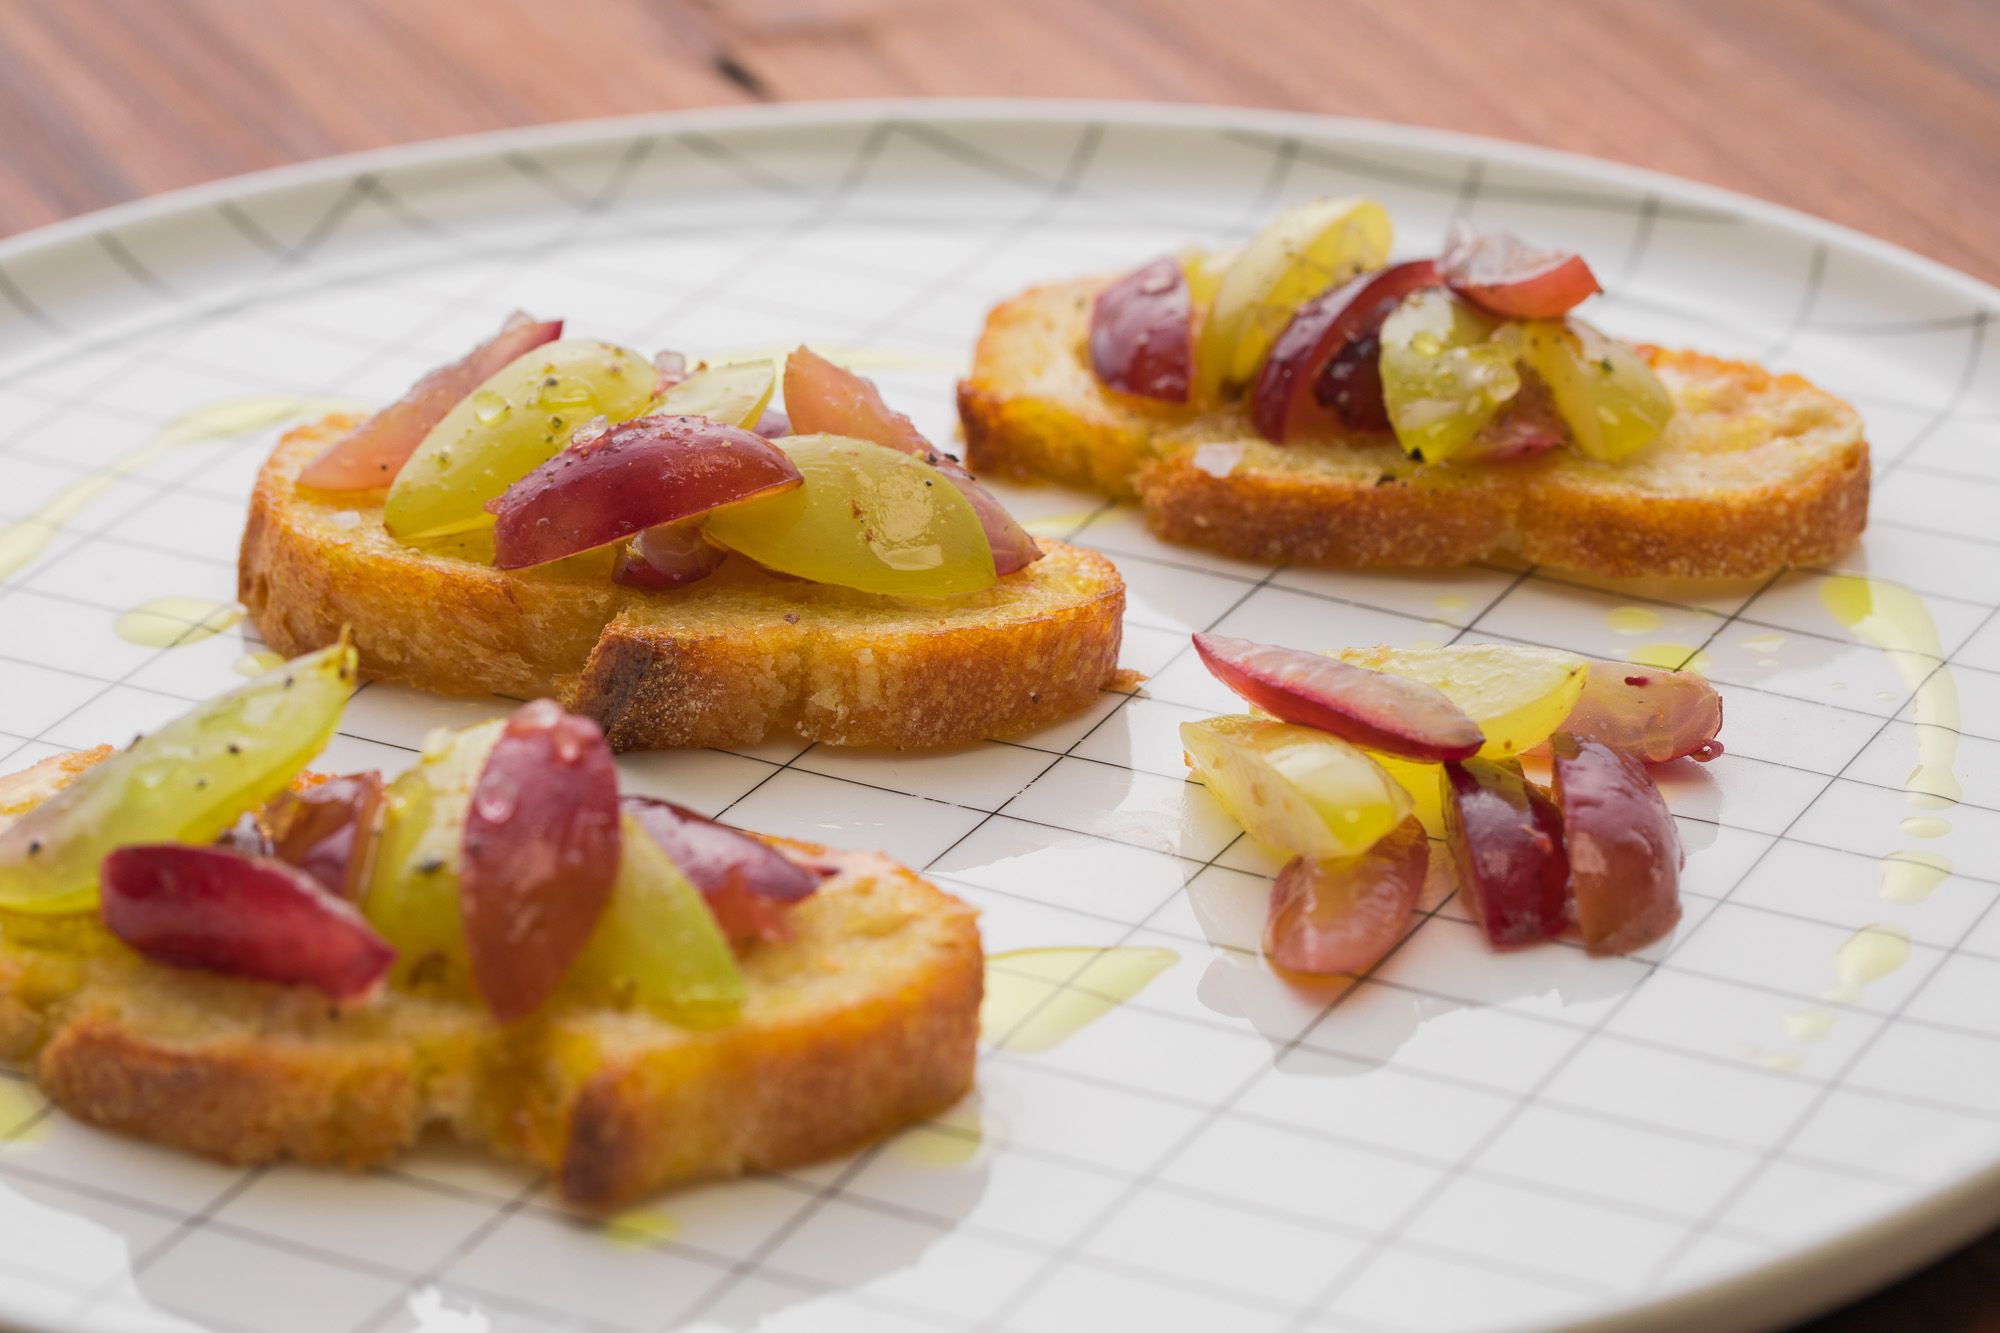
201 784
1605 365
34 847
1385 480
791 617
431 866
289 682
234 748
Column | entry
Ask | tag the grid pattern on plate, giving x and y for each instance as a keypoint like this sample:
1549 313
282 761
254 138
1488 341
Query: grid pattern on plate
1462 1138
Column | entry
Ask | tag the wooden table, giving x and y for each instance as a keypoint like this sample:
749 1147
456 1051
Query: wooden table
1882 114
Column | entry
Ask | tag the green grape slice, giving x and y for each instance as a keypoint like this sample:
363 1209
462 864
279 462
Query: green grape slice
413 891
1604 391
658 946
1443 378
867 517
508 427
735 395
186 782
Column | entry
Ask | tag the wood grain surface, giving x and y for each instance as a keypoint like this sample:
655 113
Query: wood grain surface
1882 114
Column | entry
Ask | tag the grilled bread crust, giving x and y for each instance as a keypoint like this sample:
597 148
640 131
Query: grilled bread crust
734 659
866 1020
1756 471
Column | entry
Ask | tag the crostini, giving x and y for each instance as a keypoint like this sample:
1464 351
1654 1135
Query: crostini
202 945
1305 400
660 550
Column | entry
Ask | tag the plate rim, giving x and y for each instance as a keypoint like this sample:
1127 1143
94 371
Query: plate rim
1806 1281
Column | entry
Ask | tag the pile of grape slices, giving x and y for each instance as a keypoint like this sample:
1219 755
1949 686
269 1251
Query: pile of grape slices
1353 763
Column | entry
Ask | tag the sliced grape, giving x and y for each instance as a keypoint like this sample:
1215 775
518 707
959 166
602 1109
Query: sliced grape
1142 333
186 782
1526 427
413 891
1517 695
540 853
658 946
670 555
1329 917
1334 337
257 917
715 855
370 455
1608 396
773 424
1651 715
1443 378
1299 254
735 395
823 397
1624 852
867 517
1294 789
506 428
1503 274
637 475
1386 713
1506 839
328 831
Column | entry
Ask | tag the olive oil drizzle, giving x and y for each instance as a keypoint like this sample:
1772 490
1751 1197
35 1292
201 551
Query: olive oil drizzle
24 539
175 622
1039 998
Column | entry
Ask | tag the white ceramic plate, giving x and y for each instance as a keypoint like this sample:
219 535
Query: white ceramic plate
1712 1133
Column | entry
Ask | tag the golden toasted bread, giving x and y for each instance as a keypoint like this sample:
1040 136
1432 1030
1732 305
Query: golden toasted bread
740 656
1756 471
865 1020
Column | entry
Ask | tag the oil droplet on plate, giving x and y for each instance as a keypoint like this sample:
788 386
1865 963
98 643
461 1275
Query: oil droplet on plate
1784 1062
175 622
1632 620
1925 826
639 1229
21 1113
1670 657
1058 526
1764 644
1809 1024
1911 877
257 663
1890 617
1038 998
1450 604
1865 957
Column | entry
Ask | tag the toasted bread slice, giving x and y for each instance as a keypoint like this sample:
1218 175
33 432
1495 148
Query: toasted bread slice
867 1019
740 656
1756 471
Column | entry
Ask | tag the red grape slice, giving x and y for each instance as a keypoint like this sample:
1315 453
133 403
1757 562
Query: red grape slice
635 476
1624 852
1654 716
539 856
773 424
823 398
747 884
1142 333
248 916
1285 400
328 830
1501 273
373 452
1393 715
671 555
1507 840
1342 916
